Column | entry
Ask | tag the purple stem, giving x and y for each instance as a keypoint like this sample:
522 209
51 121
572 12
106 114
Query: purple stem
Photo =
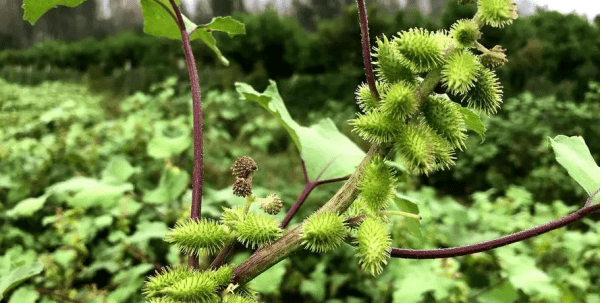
488 245
197 123
366 47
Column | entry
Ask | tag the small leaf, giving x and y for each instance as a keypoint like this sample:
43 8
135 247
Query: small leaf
573 154
18 275
172 184
158 21
473 122
324 149
148 230
25 294
27 207
226 24
170 138
34 9
118 171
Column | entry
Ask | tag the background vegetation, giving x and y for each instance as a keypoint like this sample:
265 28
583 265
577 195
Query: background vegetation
95 153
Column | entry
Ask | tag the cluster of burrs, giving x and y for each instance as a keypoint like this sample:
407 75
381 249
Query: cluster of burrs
325 231
207 237
424 127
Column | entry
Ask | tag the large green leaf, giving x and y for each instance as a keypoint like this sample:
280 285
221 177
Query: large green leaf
25 294
326 151
172 184
88 192
170 138
526 276
18 275
118 171
573 154
158 21
34 9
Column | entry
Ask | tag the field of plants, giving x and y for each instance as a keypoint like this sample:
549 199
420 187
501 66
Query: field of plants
96 158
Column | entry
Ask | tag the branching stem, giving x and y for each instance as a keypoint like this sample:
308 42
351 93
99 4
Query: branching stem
488 245
197 122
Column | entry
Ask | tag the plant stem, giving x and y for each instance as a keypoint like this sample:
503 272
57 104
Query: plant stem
308 187
401 213
488 245
366 47
195 213
270 255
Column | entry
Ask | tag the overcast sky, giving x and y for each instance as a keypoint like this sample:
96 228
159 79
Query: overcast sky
591 8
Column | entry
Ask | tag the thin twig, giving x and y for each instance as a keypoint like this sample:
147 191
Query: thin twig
294 209
366 47
197 123
220 258
488 245
305 171
332 180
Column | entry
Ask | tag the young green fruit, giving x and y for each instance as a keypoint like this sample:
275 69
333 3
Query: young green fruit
445 118
376 127
374 245
256 230
203 236
323 232
486 93
421 49
496 13
365 99
400 101
377 185
198 288
465 32
272 204
391 66
165 278
459 72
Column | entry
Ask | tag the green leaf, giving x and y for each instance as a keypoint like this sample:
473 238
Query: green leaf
25 294
225 24
18 275
172 184
524 275
118 171
211 42
268 281
34 9
473 122
158 21
88 192
573 154
170 139
315 286
322 146
502 293
407 204
27 207
148 230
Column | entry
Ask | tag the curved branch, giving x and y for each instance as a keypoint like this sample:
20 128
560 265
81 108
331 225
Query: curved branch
488 245
197 123
366 47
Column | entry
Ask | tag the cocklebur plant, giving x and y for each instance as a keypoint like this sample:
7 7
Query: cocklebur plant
402 116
